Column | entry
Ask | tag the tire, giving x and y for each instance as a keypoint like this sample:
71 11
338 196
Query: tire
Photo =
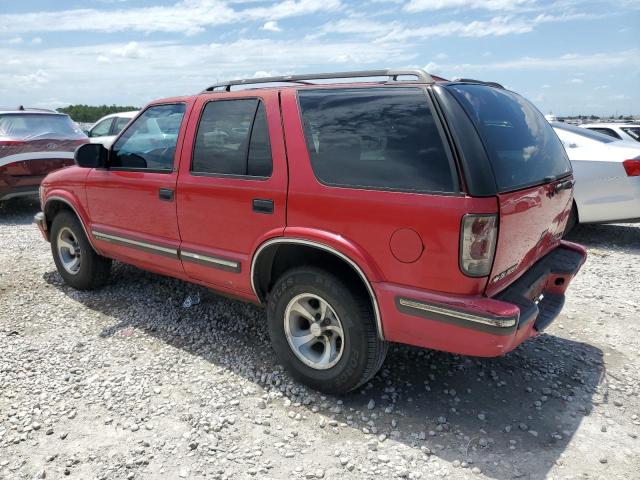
356 357
572 221
83 269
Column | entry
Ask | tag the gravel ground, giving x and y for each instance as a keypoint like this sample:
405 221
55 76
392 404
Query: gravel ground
129 382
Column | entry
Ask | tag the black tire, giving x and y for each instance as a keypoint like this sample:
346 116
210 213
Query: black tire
572 221
363 352
93 271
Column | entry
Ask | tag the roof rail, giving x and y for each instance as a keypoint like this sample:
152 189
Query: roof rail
420 75
481 82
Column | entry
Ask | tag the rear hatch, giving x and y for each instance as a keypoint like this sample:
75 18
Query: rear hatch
37 143
532 174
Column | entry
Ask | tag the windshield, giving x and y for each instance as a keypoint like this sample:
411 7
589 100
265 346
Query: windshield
522 147
584 132
31 126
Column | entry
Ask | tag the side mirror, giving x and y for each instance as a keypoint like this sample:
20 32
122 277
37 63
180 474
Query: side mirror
91 155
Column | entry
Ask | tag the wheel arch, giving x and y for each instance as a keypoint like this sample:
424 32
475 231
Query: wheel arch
267 254
54 204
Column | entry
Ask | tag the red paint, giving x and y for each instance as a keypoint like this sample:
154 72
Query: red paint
406 244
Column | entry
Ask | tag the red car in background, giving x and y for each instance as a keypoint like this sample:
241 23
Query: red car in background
33 143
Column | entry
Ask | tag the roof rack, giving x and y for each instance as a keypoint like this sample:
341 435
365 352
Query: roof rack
420 75
481 82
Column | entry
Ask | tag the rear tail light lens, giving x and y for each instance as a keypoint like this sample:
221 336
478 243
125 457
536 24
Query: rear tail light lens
632 167
478 244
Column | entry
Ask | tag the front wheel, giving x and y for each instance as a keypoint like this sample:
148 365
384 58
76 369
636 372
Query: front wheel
324 331
77 262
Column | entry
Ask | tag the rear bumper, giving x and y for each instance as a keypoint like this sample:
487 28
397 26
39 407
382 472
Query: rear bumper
477 325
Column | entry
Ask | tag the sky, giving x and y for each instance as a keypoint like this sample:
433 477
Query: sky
567 56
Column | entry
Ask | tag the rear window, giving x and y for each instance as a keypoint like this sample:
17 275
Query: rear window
375 138
584 132
32 126
522 147
634 132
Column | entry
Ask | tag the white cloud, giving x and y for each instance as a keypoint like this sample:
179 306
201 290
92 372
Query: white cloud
424 5
186 16
441 56
173 68
545 86
15 41
132 50
626 58
271 26
576 80
36 40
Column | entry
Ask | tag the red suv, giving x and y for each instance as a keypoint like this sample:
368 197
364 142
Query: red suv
411 210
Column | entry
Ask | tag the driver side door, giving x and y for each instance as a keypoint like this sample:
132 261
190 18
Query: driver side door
132 202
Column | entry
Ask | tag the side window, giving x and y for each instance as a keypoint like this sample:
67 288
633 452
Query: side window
101 129
233 139
150 141
119 124
606 131
381 138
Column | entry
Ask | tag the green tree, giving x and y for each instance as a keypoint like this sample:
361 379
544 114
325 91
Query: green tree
91 113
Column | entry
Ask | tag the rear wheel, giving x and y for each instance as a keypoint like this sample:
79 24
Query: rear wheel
573 219
323 331
77 263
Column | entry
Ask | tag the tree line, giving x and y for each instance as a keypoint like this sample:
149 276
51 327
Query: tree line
91 113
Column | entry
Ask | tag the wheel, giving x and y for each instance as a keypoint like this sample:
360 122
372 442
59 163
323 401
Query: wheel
323 331
77 263
572 221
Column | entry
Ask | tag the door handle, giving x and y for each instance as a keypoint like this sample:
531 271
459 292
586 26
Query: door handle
261 205
166 194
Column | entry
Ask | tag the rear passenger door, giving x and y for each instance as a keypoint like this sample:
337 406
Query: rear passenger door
232 185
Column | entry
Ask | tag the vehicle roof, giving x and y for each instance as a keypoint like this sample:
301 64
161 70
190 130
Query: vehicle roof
609 124
37 111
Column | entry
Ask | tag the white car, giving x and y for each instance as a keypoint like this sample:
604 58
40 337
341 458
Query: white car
619 131
106 129
607 176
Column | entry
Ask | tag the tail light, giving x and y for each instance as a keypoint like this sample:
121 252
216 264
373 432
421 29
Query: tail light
478 244
632 167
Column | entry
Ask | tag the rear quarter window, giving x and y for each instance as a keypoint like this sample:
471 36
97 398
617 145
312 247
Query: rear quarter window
522 147
375 138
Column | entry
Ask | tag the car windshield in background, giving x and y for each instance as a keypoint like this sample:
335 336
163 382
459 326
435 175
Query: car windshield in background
521 145
634 132
32 126
585 132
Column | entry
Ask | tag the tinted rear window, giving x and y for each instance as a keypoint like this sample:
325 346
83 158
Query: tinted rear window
37 125
378 138
633 131
522 147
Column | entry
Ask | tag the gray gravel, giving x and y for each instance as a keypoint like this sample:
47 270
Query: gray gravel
134 381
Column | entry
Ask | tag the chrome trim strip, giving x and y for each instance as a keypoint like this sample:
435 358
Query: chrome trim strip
209 259
322 246
494 322
63 200
107 237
